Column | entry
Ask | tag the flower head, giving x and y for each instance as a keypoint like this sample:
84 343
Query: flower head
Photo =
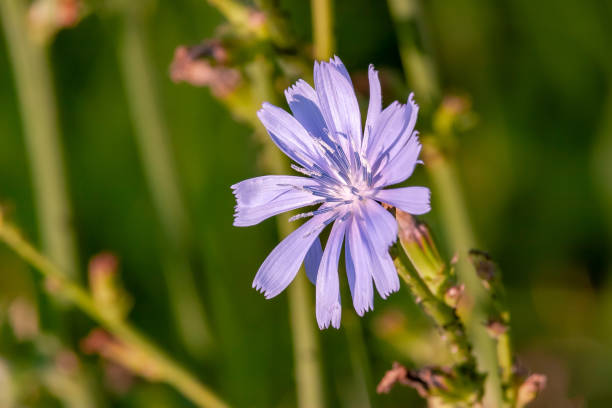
344 172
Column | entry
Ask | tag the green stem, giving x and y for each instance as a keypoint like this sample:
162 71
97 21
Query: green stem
36 96
322 31
418 66
171 373
455 218
159 166
443 315
306 350
420 73
324 44
505 359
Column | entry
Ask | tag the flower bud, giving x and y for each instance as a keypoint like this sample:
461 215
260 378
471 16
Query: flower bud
105 286
421 249
530 389
47 17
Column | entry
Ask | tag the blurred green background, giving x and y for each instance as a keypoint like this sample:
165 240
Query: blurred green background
536 171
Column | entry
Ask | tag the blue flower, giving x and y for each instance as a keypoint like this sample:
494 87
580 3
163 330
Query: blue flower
345 171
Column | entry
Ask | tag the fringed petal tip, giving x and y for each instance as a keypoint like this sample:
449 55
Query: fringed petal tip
390 291
364 309
258 286
411 100
330 317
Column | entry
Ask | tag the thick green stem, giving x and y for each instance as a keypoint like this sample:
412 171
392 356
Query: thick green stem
36 97
444 316
324 44
505 359
417 64
170 371
322 28
455 218
153 142
420 73
306 350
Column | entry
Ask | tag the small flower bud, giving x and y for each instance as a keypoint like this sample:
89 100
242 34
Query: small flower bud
449 385
23 318
136 361
495 328
421 249
485 268
203 65
453 295
105 287
530 389
47 17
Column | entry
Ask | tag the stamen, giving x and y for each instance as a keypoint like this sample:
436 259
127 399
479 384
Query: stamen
302 215
304 171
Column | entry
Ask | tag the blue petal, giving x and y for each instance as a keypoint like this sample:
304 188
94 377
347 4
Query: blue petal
391 132
281 266
304 104
375 106
338 104
358 267
380 231
313 260
400 167
389 125
329 309
262 197
413 200
288 134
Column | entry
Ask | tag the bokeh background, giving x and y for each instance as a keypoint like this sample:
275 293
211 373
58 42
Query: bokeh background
536 169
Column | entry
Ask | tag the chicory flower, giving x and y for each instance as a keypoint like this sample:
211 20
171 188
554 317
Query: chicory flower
345 172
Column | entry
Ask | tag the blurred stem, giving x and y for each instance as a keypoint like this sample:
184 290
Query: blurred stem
418 66
171 373
36 96
443 315
324 43
420 73
505 360
322 31
454 214
306 350
153 142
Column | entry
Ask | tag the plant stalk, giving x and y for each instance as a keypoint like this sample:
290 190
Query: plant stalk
171 373
322 31
42 135
419 69
160 171
444 316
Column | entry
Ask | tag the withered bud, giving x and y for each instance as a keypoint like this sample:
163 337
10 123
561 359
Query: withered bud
530 388
485 267
453 294
103 265
495 328
47 17
195 66
23 318
426 381
105 285
103 343
397 374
